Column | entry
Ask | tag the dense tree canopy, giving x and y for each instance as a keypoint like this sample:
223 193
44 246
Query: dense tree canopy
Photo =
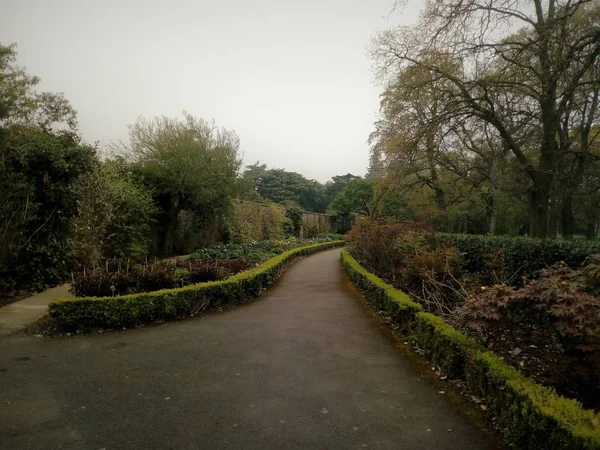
190 165
41 158
356 197
339 182
283 187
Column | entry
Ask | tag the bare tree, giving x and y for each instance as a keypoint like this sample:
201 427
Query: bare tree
523 59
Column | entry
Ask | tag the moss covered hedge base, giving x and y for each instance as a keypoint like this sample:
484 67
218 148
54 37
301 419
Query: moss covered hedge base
530 416
171 304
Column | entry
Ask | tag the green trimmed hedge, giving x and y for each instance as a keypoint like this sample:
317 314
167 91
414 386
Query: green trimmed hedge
530 416
523 256
171 304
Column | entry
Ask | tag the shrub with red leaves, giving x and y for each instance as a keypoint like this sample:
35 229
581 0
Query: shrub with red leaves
562 298
562 303
119 280
408 255
374 244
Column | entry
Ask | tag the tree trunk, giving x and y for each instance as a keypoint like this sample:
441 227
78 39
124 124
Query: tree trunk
590 230
553 219
543 175
493 208
498 162
540 204
591 221
493 221
567 219
169 229
439 194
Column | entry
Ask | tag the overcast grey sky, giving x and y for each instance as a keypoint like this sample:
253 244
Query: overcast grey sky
292 78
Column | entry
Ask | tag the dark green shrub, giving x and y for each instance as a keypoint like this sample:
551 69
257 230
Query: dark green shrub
492 258
289 229
257 251
38 172
293 213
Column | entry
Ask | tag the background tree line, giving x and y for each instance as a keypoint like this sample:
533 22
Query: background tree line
170 188
489 118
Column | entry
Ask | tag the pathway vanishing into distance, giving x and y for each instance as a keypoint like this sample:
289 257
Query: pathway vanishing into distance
303 367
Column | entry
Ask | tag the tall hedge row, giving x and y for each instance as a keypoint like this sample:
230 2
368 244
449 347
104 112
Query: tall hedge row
521 256
170 304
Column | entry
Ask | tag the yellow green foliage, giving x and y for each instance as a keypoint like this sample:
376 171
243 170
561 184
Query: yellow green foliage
314 224
257 221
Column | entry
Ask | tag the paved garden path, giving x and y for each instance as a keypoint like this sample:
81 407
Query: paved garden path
18 315
304 367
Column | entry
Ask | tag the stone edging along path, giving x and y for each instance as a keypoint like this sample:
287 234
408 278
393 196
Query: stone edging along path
80 313
529 415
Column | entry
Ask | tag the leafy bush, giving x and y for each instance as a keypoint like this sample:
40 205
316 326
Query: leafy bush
293 223
373 243
494 259
114 214
157 275
562 301
407 254
256 251
257 221
38 171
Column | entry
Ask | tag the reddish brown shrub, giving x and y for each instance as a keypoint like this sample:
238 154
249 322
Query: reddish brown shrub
407 255
119 280
563 303
375 243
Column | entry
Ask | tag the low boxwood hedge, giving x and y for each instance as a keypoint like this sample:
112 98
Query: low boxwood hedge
530 416
79 313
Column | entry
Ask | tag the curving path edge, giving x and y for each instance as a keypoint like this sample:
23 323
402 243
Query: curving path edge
302 367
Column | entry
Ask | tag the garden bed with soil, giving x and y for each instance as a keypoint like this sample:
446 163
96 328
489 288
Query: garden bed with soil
216 263
543 321
81 314
528 414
